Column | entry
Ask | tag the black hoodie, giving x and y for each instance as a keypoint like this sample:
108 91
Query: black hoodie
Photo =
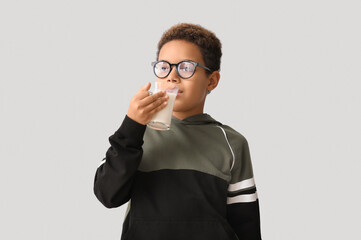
194 181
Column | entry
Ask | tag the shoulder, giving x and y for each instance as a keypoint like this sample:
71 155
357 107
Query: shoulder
233 135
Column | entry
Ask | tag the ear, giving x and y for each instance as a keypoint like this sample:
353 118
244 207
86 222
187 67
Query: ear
213 80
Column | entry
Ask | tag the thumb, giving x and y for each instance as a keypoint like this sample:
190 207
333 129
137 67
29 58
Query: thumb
146 87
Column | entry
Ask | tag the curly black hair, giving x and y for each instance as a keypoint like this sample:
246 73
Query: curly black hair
209 45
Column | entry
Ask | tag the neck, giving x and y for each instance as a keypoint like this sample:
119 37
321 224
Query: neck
183 115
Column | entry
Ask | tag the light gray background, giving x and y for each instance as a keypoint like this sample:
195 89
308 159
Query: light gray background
290 83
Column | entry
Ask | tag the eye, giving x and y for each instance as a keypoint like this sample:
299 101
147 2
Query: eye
163 66
186 67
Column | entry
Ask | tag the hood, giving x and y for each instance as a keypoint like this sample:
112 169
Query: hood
197 120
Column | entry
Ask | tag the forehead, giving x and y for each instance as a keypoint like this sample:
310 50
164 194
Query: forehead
178 50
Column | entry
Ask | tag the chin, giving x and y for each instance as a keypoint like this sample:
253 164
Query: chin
178 107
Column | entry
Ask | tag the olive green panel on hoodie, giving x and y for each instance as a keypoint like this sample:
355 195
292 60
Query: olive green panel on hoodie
198 143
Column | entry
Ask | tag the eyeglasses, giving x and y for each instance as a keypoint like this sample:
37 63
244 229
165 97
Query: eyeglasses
185 69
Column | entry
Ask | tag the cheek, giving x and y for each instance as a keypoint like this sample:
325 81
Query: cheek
197 84
192 89
196 93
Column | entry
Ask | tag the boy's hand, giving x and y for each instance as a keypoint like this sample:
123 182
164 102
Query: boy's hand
143 106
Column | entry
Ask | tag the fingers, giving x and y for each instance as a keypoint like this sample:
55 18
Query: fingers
143 106
156 105
157 109
143 92
152 98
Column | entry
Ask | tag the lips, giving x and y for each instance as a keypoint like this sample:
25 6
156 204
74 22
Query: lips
179 92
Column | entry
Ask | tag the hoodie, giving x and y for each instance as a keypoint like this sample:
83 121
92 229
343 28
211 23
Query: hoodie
194 181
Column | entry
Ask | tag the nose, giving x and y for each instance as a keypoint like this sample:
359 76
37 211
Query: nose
173 75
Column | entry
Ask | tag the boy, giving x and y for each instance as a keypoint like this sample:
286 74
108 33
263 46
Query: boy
194 181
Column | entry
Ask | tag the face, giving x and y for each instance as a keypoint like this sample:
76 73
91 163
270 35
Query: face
192 91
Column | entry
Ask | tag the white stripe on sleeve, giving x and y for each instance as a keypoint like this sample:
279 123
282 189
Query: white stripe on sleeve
241 185
243 198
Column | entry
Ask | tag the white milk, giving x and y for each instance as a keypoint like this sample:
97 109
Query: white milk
164 116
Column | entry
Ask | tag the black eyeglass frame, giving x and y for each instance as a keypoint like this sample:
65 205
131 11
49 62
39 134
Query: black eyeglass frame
195 64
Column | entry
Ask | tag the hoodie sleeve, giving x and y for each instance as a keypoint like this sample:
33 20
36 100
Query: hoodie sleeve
114 177
242 201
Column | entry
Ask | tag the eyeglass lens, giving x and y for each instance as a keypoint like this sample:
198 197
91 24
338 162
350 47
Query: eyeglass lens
185 69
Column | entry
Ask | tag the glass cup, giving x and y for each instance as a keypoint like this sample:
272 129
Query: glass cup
162 119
